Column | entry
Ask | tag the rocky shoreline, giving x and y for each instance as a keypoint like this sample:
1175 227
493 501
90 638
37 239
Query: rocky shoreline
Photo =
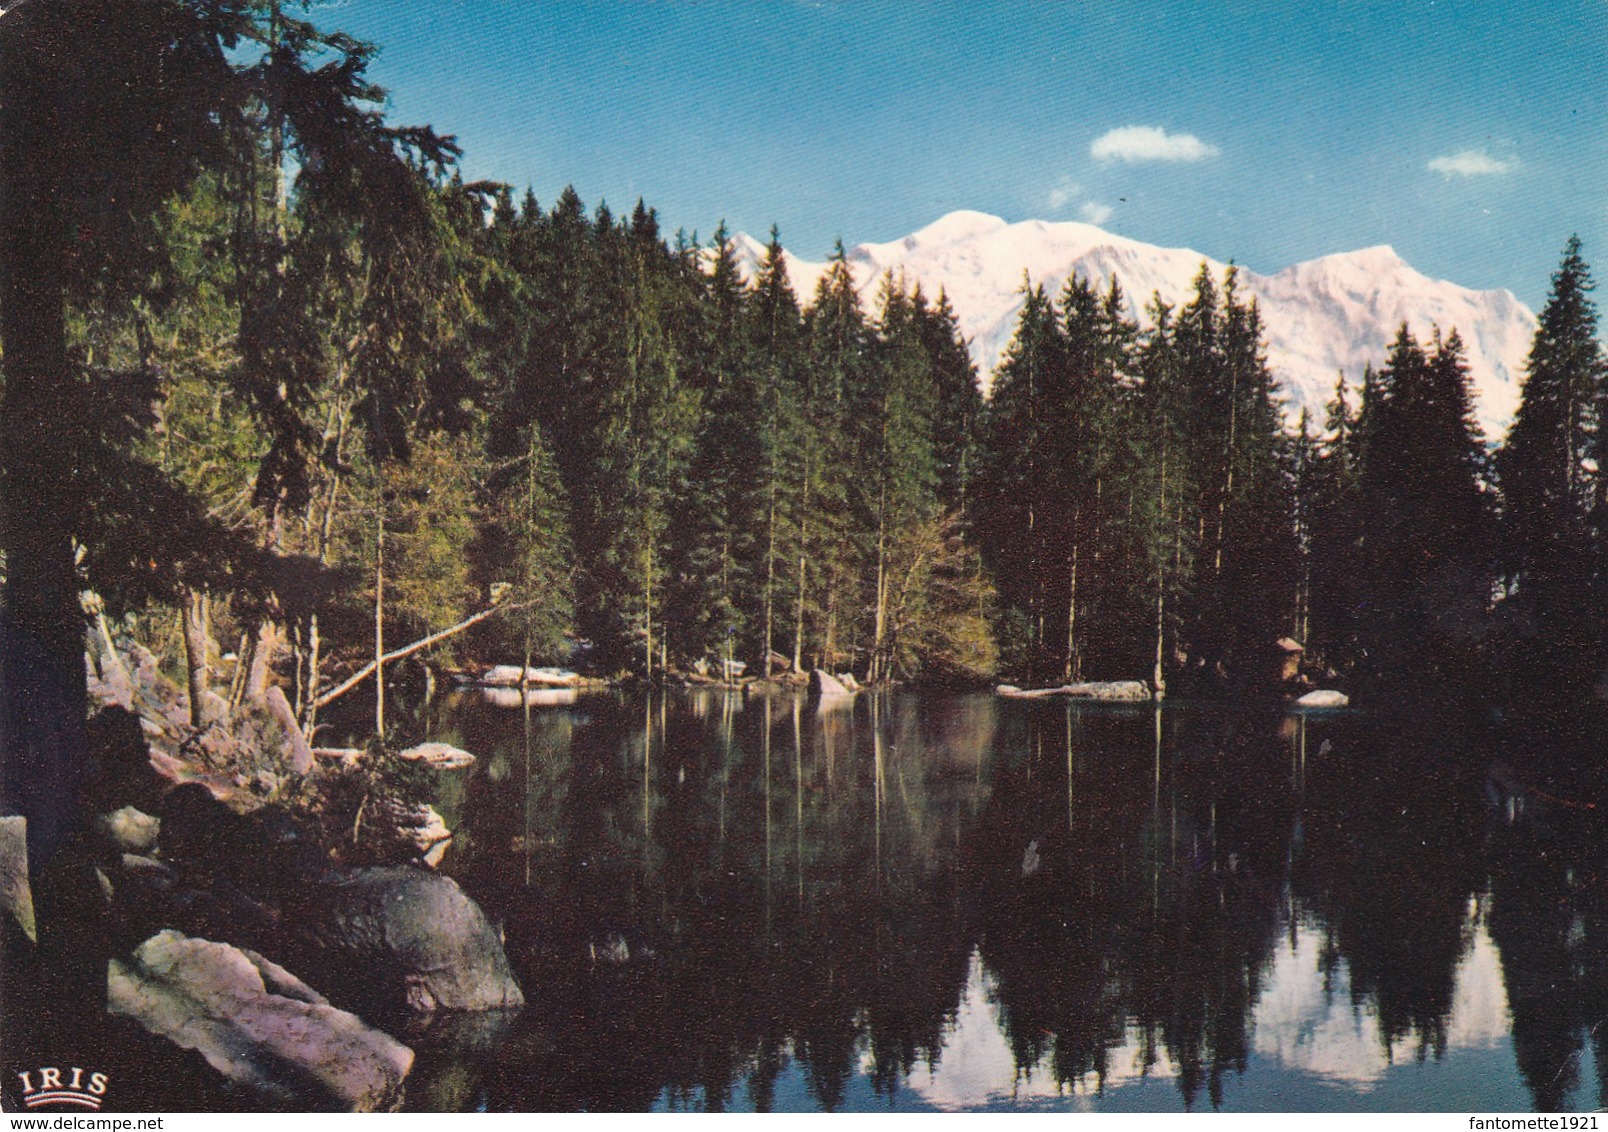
273 917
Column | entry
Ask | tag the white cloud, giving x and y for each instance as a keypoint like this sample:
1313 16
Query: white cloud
1093 212
1062 194
1473 163
1149 143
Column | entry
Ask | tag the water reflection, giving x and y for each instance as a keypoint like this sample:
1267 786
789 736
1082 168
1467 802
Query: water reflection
960 902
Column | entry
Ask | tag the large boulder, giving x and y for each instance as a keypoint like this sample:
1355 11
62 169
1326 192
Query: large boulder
261 1028
828 688
16 895
402 939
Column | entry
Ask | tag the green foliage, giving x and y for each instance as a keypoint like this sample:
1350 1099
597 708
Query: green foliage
524 556
275 326
1552 489
1426 553
1134 489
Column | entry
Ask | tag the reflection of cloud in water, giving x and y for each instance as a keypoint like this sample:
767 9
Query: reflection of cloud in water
976 1066
1303 1025
1298 1025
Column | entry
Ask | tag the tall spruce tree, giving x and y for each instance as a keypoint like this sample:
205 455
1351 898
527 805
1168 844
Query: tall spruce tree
1014 501
714 611
776 336
896 475
837 348
1161 493
1255 553
1336 529
1081 403
1427 553
1552 491
959 410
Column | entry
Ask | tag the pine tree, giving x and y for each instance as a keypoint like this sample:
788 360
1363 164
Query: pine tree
776 334
111 111
1255 554
1426 555
523 554
1551 489
1013 491
716 527
896 475
1306 464
1336 530
824 568
1080 406
1163 489
959 408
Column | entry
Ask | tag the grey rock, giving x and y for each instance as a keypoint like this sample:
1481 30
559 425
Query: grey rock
828 688
257 1025
16 896
1324 698
439 756
129 830
403 939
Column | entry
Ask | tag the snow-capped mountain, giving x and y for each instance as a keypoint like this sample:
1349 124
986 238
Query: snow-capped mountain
1323 317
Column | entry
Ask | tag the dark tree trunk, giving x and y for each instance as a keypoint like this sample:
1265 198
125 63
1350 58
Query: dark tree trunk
42 659
43 702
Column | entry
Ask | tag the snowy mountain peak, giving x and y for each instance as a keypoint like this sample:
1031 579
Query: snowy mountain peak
1329 315
749 250
952 228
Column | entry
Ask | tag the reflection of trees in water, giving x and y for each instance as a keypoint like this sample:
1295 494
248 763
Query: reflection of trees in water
1549 919
1389 865
719 888
1155 903
730 883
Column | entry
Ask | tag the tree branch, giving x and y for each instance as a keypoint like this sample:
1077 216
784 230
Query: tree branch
367 670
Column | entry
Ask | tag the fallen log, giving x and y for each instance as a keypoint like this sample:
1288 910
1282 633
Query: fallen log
367 670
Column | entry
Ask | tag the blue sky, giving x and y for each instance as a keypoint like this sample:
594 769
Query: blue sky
1471 136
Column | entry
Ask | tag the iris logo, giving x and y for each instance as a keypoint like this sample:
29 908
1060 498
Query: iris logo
73 1087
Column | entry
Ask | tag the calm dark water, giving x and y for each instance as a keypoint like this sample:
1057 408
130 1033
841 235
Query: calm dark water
959 902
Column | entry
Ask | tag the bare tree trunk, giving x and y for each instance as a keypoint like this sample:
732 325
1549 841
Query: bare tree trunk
876 673
798 618
829 644
647 614
803 571
197 608
1073 665
373 666
263 647
770 582
268 636
237 682
309 709
379 619
1158 677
